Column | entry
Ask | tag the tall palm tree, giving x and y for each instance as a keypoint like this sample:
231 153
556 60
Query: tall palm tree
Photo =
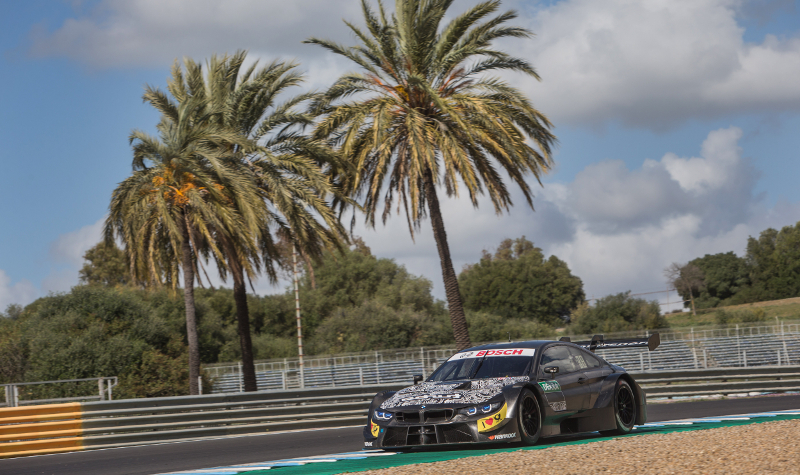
286 167
181 192
422 113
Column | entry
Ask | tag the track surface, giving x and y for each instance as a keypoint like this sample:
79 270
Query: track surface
150 459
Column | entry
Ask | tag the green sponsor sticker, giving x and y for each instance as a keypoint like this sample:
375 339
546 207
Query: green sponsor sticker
550 386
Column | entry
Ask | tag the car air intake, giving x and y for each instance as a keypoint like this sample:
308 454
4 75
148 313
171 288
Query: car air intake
409 417
456 433
395 436
438 416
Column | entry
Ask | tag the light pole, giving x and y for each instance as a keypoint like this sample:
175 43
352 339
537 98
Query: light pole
297 313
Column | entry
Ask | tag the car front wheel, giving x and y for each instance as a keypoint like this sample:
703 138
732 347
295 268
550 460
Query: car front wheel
529 417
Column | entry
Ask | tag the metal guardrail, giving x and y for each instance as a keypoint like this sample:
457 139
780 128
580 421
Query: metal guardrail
104 391
106 424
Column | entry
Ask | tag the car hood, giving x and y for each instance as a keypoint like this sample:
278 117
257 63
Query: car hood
451 392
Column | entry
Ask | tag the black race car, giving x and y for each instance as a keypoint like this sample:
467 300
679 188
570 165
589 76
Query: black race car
512 392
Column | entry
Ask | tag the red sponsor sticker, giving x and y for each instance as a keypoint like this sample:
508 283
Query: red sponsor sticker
497 352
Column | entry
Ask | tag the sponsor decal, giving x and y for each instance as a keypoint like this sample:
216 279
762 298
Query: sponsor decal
492 422
550 386
498 352
374 429
367 444
503 436
552 392
433 396
480 391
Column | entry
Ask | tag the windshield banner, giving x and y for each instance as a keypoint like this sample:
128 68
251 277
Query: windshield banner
497 352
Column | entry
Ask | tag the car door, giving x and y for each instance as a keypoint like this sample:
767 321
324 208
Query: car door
569 394
594 370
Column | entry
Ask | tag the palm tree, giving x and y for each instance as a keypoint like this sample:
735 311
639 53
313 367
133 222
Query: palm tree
181 192
286 167
422 114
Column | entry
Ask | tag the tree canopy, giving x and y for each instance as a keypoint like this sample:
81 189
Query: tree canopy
518 281
615 313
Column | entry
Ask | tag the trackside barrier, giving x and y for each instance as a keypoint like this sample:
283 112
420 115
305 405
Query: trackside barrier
104 424
45 429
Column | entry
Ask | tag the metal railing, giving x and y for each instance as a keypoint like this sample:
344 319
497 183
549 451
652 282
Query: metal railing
718 346
104 391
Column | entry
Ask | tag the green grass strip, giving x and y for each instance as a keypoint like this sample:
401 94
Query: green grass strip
428 456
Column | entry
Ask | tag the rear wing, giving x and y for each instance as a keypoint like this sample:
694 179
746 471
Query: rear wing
598 342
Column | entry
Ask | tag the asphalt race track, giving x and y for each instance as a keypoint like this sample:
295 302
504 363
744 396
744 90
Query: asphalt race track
151 459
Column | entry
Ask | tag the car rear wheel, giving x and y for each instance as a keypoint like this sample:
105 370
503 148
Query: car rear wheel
624 409
529 417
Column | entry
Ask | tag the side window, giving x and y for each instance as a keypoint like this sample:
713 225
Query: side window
558 356
583 360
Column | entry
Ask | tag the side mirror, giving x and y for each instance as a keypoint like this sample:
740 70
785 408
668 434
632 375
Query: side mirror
552 370
417 379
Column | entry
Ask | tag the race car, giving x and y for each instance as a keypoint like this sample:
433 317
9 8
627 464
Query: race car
512 392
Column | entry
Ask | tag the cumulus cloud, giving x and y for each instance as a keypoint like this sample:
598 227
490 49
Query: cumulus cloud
616 228
125 33
70 247
20 293
652 63
655 63
717 187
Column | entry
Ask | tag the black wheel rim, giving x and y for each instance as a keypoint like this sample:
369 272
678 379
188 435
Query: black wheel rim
625 406
530 416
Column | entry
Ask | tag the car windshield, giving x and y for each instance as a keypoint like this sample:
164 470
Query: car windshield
492 367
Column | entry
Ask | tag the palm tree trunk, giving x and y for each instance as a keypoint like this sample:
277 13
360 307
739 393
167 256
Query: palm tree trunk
191 316
242 318
454 305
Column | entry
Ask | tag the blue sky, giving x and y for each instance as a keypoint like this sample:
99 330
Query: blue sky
678 126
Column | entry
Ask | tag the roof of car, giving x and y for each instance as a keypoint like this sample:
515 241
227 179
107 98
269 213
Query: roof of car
511 344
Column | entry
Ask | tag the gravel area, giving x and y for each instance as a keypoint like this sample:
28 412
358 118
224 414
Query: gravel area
768 447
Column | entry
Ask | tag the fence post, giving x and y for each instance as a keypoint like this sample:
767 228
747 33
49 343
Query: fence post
377 369
200 384
694 357
101 387
110 396
361 375
779 357
738 344
15 395
744 354
241 378
641 361
705 358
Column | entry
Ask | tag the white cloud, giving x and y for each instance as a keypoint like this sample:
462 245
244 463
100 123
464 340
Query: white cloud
124 33
20 293
616 228
70 247
651 63
655 63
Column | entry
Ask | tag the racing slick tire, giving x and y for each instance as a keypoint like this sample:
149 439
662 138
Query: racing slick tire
624 409
529 417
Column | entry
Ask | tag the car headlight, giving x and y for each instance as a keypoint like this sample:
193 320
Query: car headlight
481 409
382 415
